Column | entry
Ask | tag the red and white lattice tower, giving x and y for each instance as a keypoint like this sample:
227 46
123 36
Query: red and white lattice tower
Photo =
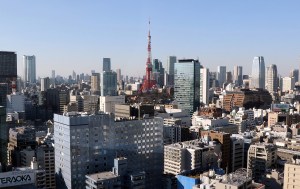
149 83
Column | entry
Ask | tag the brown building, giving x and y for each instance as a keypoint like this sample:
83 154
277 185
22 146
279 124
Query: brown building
278 117
210 112
255 98
224 139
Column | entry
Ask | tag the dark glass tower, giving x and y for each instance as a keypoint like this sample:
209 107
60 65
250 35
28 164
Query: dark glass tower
8 68
187 84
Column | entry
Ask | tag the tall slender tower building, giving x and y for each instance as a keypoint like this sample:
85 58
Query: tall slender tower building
148 82
170 69
295 74
238 75
204 85
106 64
29 71
221 75
258 73
108 83
272 81
187 84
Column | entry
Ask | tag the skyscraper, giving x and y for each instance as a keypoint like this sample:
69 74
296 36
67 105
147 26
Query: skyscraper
53 77
170 64
106 65
204 85
187 84
3 136
108 84
272 81
3 93
287 83
221 75
95 83
258 73
170 69
295 74
29 69
119 76
238 75
45 83
8 68
158 72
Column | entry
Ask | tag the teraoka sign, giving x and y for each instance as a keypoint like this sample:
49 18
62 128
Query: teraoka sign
15 178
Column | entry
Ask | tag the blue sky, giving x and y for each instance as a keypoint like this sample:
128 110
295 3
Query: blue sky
76 35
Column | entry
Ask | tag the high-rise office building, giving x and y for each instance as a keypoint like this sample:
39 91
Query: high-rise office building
229 77
158 72
45 83
3 93
119 76
95 83
86 144
8 68
53 74
258 73
272 81
238 75
29 69
221 75
170 69
295 74
287 83
108 84
106 65
204 86
3 136
187 84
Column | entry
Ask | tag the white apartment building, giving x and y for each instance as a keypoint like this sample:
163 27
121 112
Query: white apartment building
107 103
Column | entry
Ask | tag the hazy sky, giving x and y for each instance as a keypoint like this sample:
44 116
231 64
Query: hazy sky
76 35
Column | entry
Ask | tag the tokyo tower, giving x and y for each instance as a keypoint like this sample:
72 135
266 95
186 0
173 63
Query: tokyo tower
149 83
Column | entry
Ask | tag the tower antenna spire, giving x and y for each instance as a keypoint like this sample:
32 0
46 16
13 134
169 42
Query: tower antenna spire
148 82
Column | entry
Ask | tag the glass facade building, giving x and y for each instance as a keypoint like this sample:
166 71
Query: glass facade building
8 68
106 65
271 83
29 69
221 75
108 84
258 73
187 84
170 69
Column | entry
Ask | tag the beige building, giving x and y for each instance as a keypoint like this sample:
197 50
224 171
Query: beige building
261 157
190 155
107 103
292 175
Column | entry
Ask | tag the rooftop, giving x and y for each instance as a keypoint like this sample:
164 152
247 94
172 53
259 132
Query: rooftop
101 176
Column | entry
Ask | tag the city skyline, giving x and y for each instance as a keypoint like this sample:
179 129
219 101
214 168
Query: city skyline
79 35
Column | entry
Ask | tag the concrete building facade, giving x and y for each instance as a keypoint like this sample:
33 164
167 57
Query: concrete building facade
86 144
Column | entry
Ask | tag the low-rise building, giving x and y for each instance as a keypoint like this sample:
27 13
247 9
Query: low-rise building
191 155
